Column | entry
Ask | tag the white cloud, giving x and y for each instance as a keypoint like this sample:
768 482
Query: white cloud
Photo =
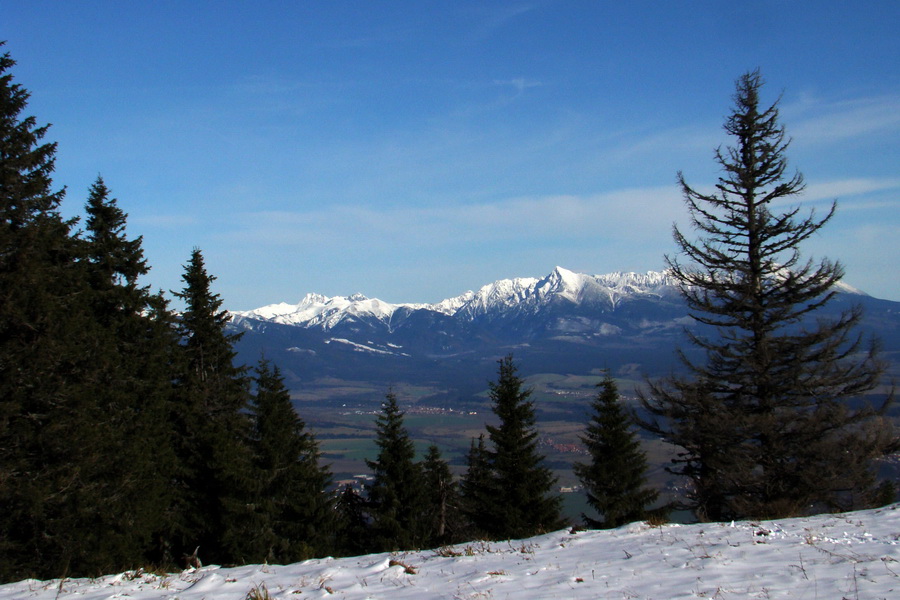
819 122
630 214
845 189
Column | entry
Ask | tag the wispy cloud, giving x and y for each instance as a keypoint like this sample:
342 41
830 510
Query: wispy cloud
845 189
680 140
816 122
631 214
520 84
493 18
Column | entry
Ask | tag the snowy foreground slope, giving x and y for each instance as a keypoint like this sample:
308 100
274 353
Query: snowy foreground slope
853 556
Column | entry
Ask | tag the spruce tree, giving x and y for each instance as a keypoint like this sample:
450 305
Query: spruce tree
353 535
47 457
128 392
442 511
160 374
521 487
117 262
764 423
292 511
396 495
475 488
85 373
213 509
615 478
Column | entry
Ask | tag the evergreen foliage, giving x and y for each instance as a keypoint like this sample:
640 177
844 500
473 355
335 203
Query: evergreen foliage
516 500
84 372
442 514
291 509
132 353
213 509
116 261
396 496
475 489
125 438
764 424
50 465
615 478
352 533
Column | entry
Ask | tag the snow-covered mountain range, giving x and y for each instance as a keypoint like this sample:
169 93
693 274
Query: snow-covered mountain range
565 322
525 294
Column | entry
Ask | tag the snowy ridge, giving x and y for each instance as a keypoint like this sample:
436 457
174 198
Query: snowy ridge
316 310
849 289
504 293
451 306
853 555
526 293
613 287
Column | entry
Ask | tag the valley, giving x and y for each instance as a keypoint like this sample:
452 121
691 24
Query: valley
340 356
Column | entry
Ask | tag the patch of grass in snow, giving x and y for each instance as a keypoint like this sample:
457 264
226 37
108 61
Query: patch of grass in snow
259 592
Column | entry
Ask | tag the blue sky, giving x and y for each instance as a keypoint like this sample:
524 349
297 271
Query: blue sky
414 150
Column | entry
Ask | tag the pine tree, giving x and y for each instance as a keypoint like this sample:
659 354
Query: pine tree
776 381
521 486
292 509
396 495
442 515
213 509
615 478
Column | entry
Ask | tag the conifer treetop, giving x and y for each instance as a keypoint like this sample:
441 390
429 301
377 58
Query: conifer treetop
27 165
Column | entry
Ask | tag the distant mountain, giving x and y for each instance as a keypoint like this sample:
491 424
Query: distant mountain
495 299
565 322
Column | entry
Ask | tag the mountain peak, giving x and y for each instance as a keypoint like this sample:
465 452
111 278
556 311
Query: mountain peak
563 273
564 283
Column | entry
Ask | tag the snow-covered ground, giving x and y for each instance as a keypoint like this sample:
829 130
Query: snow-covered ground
832 557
